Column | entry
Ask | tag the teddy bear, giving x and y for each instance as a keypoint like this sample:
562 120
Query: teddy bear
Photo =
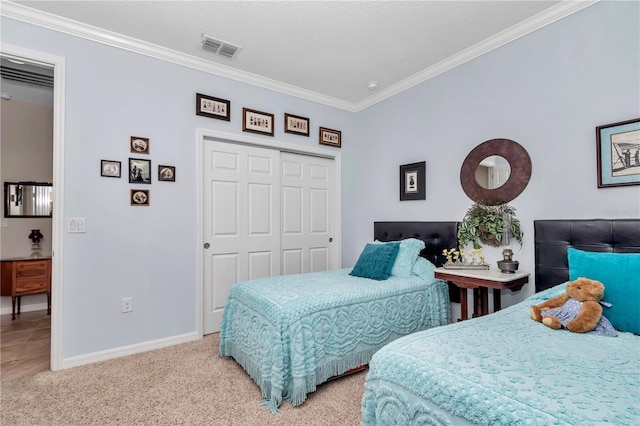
578 309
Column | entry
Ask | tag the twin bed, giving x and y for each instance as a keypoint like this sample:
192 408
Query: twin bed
502 368
292 333
505 368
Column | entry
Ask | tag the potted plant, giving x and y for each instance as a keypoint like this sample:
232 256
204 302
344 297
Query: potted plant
491 225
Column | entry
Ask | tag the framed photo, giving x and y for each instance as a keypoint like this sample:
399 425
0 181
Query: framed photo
139 197
330 137
211 107
412 181
166 174
257 122
110 168
618 153
139 145
296 124
139 170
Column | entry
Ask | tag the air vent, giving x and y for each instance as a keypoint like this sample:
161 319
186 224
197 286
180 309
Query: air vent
24 76
219 47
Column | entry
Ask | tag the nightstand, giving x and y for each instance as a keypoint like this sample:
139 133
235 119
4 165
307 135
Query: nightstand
481 280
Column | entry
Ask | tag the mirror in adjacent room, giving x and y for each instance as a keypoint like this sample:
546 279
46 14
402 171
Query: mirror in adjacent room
495 172
28 199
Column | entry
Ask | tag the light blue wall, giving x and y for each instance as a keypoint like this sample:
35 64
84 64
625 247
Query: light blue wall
148 253
547 91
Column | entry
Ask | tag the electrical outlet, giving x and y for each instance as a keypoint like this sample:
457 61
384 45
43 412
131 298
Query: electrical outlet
127 304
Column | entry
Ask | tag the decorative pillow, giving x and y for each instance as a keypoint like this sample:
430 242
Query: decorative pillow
376 261
620 274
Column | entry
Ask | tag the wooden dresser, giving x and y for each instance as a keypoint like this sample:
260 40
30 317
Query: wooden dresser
22 276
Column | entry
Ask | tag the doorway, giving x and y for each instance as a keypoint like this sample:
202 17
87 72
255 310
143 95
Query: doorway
53 68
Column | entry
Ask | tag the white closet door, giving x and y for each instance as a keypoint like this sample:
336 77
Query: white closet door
241 221
308 202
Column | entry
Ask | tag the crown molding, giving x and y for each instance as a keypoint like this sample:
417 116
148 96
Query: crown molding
536 22
67 26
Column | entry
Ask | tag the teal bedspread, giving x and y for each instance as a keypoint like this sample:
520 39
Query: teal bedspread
291 333
505 369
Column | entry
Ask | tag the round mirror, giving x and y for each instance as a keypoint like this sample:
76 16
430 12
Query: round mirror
506 184
493 172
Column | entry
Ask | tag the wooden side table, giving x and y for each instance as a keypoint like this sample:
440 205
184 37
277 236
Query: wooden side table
481 280
24 276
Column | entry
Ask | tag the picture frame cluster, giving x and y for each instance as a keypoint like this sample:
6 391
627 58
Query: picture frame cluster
263 123
139 171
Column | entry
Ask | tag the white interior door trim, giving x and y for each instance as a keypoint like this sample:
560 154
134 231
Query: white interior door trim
201 135
57 224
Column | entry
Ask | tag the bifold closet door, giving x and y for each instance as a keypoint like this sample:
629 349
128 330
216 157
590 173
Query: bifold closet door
241 221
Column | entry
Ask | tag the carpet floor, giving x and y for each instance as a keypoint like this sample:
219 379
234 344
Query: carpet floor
183 384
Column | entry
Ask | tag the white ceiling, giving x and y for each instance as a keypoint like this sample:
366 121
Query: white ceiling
331 49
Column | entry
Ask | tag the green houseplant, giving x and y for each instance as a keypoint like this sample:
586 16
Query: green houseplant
490 225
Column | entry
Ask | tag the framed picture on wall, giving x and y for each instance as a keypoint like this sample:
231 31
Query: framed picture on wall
139 170
412 181
110 168
296 124
166 174
330 137
618 153
139 197
139 145
257 122
208 106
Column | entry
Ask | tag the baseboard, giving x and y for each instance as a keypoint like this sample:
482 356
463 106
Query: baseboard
128 350
6 310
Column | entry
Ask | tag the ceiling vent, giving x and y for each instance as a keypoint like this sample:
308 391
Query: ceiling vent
219 47
31 77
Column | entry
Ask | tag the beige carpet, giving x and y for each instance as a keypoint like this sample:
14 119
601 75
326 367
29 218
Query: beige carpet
183 384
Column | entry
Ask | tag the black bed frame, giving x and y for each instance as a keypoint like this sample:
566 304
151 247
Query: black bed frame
554 237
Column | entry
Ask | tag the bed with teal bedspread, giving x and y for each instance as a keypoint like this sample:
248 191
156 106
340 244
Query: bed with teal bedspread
504 369
291 333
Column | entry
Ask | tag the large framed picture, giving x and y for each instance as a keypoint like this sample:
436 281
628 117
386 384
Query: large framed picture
330 137
618 153
139 170
208 106
412 181
257 122
296 124
110 168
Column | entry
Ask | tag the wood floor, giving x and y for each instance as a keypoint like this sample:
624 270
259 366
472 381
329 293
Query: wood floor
25 344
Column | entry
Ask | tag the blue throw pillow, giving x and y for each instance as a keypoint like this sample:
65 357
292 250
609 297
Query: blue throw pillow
620 274
376 261
409 251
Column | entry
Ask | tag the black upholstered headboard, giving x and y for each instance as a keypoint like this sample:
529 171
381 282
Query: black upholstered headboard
554 237
437 236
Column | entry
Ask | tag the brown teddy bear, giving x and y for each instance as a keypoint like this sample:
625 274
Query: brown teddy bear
578 309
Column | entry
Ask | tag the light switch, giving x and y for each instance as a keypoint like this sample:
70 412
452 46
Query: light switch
76 225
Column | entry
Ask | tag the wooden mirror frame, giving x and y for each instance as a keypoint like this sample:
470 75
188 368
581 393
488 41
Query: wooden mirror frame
520 164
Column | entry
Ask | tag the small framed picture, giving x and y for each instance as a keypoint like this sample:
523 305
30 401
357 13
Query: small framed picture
139 145
139 197
257 122
618 153
208 106
110 168
330 137
296 124
166 174
412 181
139 170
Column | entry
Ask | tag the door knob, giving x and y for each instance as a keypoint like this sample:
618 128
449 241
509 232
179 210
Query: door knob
207 245
330 240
